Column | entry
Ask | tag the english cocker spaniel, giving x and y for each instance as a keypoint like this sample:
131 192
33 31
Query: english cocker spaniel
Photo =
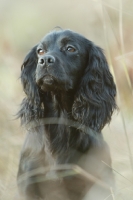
70 97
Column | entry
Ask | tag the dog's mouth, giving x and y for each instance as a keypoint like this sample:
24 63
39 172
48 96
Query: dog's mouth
45 82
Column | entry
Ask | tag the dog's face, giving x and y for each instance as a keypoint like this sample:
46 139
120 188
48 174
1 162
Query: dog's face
62 57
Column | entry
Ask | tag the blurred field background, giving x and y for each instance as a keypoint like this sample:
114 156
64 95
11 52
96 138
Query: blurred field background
109 23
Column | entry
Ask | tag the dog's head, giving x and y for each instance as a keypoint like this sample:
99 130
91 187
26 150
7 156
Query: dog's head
67 61
62 58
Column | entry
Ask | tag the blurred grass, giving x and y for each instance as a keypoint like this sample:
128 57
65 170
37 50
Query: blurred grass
107 23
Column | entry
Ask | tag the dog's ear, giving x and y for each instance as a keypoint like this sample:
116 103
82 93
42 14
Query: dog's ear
30 106
95 99
28 69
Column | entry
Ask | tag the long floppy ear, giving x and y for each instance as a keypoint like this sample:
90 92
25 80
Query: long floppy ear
95 99
28 75
30 106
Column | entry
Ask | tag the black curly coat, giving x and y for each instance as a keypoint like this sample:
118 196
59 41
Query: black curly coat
70 97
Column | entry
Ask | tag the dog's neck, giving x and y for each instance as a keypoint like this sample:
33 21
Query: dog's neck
63 100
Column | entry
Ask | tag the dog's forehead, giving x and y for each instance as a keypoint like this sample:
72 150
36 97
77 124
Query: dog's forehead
63 37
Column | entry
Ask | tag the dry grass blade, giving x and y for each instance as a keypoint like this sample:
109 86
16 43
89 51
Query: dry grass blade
112 7
122 44
60 172
117 172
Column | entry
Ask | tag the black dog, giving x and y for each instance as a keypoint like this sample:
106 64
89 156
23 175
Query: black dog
70 96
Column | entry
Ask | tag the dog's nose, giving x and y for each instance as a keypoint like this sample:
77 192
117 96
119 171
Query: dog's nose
46 60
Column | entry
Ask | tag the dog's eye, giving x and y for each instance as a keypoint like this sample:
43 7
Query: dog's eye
40 51
71 49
